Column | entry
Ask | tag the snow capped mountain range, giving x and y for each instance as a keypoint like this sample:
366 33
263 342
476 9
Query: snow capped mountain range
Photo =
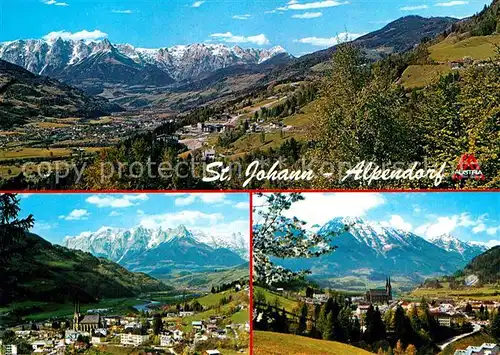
143 249
468 250
61 58
371 249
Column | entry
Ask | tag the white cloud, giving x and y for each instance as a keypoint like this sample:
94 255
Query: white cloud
398 222
211 198
172 220
115 214
331 41
242 206
452 3
76 36
479 228
115 201
312 5
412 8
308 15
319 208
447 224
241 17
122 11
197 3
54 2
228 37
492 230
185 201
24 196
76 215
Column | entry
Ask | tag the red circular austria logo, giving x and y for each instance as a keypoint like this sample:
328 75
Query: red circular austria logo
468 168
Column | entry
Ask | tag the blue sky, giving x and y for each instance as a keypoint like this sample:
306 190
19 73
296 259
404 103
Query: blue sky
469 216
61 215
298 26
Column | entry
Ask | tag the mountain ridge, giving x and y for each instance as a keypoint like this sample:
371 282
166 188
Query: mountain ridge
156 250
76 61
372 250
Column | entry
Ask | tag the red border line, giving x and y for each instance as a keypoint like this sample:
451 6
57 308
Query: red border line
251 274
245 191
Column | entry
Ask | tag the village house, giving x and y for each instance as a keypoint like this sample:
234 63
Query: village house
166 340
321 297
198 325
213 352
133 339
10 349
484 349
447 320
209 154
185 314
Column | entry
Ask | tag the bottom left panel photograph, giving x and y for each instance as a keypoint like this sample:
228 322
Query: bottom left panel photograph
158 273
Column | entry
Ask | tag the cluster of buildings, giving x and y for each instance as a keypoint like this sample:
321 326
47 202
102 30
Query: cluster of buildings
97 134
484 349
94 329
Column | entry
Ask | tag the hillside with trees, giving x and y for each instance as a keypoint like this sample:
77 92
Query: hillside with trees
33 269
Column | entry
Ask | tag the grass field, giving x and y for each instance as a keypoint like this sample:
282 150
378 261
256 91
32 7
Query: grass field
487 292
26 153
421 75
480 48
212 301
271 297
268 343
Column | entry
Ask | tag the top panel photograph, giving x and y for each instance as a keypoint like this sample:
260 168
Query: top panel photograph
249 95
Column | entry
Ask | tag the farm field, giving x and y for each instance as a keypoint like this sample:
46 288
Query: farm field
487 292
478 48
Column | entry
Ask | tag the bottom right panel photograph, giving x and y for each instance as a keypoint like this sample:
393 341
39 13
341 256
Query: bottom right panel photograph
399 273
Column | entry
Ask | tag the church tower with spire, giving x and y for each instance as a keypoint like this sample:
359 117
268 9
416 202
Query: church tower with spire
76 316
388 288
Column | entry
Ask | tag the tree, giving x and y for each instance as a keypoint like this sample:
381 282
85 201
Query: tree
302 319
411 350
282 237
362 116
495 326
402 326
327 333
12 239
399 350
157 324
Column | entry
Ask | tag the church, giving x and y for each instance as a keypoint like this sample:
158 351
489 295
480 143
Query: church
85 323
380 295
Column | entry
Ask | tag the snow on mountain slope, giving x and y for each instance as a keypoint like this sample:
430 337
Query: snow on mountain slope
370 248
452 244
56 57
125 245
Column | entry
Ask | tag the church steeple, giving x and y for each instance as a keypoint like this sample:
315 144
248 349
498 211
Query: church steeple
76 316
388 288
